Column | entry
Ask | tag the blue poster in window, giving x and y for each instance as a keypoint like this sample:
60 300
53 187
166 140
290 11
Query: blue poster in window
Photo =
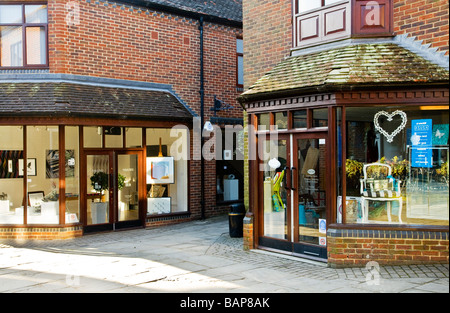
422 133
422 157
422 143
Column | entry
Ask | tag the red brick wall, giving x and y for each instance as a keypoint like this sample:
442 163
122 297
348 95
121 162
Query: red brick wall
357 252
109 41
131 43
43 233
268 36
268 30
424 19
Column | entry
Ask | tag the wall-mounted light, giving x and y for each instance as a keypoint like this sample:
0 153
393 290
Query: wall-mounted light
208 127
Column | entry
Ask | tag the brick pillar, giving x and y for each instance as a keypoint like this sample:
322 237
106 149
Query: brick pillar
248 232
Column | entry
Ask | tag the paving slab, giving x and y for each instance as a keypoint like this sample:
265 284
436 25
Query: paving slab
194 257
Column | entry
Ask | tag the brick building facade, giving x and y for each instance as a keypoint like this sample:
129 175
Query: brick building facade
126 54
335 74
271 30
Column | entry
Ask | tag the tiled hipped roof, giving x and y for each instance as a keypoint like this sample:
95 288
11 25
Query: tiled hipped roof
347 67
225 9
66 99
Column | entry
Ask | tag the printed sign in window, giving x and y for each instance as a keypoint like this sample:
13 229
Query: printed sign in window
422 143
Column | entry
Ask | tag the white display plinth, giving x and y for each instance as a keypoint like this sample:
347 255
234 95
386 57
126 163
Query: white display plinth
99 212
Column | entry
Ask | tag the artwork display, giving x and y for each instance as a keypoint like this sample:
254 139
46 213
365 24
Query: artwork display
31 167
9 163
160 170
52 163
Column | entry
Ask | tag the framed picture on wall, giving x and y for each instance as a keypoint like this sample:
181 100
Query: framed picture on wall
160 170
31 167
52 163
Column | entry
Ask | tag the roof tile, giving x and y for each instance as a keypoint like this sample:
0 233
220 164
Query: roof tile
348 66
66 99
227 9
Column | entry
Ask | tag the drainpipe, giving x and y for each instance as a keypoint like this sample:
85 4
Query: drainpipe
202 118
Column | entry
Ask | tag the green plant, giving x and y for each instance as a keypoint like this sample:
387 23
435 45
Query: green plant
399 168
120 181
353 168
443 172
100 181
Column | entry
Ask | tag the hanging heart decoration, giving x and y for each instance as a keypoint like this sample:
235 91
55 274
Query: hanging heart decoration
390 117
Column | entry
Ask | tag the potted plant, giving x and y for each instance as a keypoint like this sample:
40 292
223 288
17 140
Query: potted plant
353 170
443 172
120 181
100 182
399 167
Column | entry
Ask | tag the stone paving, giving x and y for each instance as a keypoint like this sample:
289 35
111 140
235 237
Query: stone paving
193 257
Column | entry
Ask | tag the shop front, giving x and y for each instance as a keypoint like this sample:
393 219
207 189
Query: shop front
350 168
77 158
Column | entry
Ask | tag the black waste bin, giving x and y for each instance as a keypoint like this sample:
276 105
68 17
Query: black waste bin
236 220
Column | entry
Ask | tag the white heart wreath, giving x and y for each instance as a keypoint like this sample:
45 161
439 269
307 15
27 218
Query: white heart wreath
390 118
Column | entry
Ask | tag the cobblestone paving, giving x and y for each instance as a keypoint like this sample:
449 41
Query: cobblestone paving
199 255
232 248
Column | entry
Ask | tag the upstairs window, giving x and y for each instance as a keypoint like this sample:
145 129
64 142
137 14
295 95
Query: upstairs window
240 63
307 5
317 22
23 36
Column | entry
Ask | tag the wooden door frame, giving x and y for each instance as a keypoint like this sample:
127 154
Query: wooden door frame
142 188
113 154
328 183
260 175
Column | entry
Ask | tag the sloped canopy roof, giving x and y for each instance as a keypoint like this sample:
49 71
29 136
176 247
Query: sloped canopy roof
52 99
347 67
230 10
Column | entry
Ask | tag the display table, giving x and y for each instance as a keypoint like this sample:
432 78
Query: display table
48 213
50 208
4 206
8 217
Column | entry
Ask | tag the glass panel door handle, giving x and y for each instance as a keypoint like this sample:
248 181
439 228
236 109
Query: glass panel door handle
292 178
285 171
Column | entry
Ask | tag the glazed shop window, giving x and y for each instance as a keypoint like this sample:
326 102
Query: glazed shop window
167 170
72 174
11 175
23 35
43 178
397 165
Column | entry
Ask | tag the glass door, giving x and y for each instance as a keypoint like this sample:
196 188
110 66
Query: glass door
98 193
275 196
112 193
310 195
127 188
